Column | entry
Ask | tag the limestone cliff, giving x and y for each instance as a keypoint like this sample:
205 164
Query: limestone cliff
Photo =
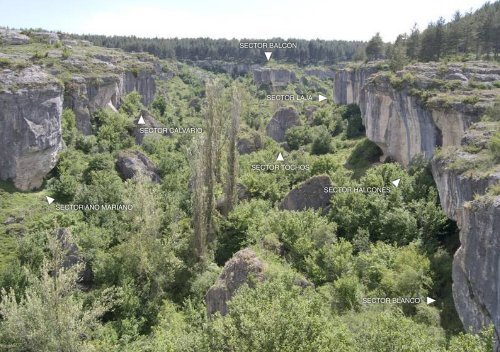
84 95
30 125
417 110
465 177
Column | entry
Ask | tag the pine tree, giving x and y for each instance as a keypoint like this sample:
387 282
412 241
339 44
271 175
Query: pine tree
375 48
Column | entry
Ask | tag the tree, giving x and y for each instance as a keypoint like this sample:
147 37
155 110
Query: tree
232 158
375 48
413 43
50 316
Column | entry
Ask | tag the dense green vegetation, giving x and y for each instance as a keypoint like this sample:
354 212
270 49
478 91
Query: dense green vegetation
307 51
153 265
472 35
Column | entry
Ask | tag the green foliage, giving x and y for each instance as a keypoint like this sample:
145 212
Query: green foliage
68 126
132 104
298 136
494 146
113 133
322 143
375 48
277 316
66 53
481 342
50 316
355 126
160 104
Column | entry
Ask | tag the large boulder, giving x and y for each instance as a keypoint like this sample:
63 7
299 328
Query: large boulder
249 144
84 95
133 164
30 126
72 257
149 122
308 195
243 267
282 120
12 37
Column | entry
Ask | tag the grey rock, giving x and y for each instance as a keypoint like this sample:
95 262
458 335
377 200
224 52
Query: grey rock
85 95
282 120
250 144
45 36
12 37
133 164
243 267
30 120
73 257
273 76
149 122
308 195
476 267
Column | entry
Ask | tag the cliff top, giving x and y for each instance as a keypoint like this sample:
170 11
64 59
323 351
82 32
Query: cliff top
65 58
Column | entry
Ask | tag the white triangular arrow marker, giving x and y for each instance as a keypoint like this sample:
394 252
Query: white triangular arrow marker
396 182
280 157
321 97
49 199
268 55
430 300
141 121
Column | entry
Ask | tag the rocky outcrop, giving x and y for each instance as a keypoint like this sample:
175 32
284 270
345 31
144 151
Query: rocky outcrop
243 268
282 120
433 105
84 95
349 82
401 117
30 126
133 164
308 195
463 180
149 122
277 77
249 144
72 257
12 37
476 266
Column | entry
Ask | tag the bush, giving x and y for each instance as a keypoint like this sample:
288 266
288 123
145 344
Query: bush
494 146
297 136
68 126
66 53
322 143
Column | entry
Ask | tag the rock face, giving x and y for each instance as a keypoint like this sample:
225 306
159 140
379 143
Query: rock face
273 76
405 123
85 95
348 84
12 37
308 195
133 163
72 257
243 266
282 120
476 267
149 122
30 126
476 264
249 144
399 121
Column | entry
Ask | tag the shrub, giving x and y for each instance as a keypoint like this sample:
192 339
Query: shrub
322 143
494 146
297 136
66 53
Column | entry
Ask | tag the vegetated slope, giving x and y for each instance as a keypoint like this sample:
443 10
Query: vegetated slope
296 278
